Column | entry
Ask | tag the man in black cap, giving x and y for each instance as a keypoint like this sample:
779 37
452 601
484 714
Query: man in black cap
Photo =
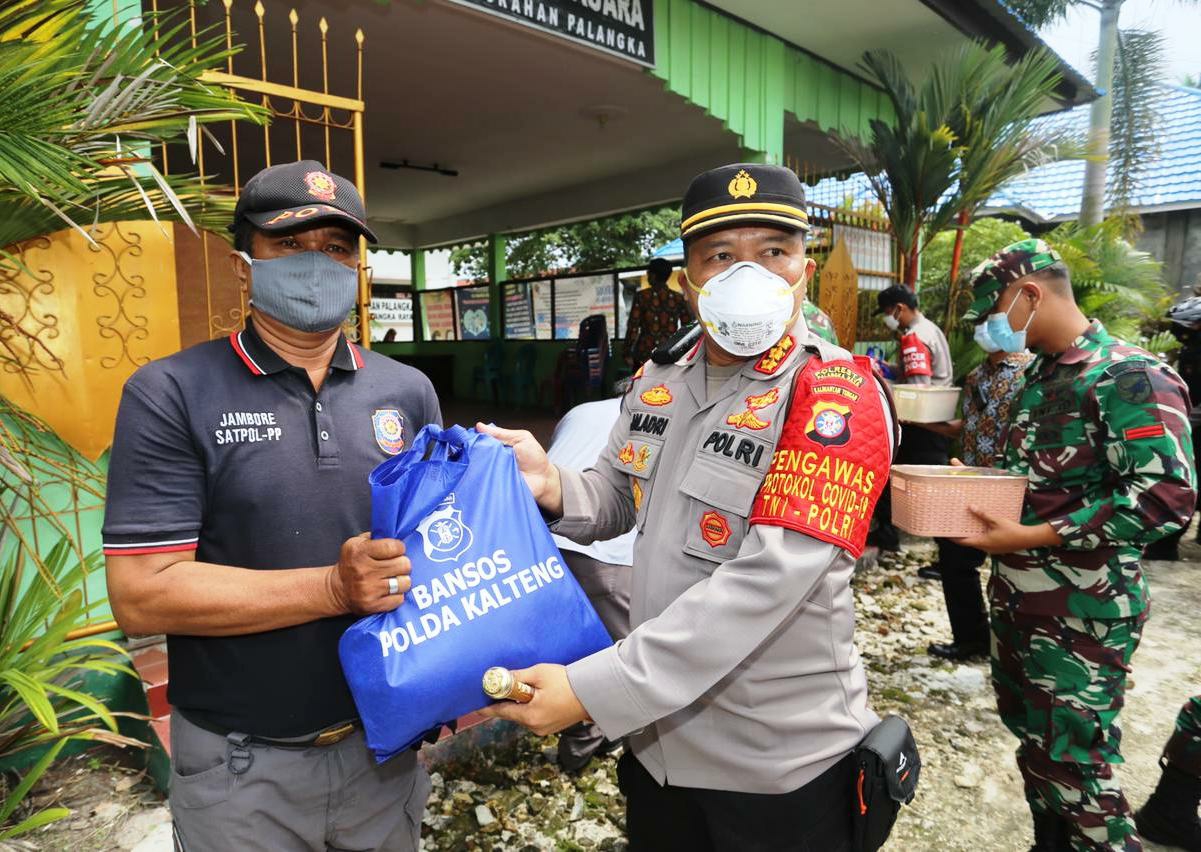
750 467
237 499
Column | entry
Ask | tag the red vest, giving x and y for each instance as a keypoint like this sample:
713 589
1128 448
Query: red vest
831 462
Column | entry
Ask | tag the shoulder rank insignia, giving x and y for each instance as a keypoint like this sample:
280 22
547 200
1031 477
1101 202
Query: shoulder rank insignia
774 357
658 395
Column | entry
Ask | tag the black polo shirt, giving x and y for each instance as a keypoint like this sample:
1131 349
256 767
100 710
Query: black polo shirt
226 448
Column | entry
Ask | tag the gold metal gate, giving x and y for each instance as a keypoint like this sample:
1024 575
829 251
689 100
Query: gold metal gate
332 113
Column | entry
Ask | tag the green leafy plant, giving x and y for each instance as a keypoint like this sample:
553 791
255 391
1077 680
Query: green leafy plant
614 241
980 239
84 105
1113 281
954 138
1121 124
41 702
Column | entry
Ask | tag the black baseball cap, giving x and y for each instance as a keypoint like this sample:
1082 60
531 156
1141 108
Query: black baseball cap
897 294
743 194
290 195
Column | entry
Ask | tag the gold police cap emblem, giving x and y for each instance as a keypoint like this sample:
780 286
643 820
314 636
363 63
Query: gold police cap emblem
743 185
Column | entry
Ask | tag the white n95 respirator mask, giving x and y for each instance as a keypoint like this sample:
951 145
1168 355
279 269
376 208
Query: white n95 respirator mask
747 308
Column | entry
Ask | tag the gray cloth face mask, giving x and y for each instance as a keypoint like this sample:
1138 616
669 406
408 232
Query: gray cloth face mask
307 291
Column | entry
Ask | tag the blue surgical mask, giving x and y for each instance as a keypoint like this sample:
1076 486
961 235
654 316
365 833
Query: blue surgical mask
984 339
307 291
1002 332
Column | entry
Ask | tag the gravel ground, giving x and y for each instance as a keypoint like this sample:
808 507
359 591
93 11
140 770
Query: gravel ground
969 798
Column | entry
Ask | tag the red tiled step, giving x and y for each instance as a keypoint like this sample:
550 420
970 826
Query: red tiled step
162 729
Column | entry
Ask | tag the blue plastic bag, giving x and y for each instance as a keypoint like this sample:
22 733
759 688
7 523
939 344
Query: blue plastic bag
489 589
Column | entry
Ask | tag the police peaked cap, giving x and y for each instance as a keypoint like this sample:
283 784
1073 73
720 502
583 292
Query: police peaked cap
743 194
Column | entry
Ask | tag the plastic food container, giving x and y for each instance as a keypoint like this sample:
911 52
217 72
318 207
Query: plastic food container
932 500
925 404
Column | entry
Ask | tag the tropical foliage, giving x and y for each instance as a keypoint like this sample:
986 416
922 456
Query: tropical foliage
980 239
85 103
1113 282
1122 126
612 242
954 138
41 702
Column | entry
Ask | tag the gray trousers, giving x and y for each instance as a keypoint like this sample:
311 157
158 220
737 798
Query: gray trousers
322 799
608 589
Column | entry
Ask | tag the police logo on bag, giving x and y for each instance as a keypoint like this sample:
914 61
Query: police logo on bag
444 536
389 430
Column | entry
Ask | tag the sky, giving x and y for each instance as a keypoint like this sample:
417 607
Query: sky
1180 21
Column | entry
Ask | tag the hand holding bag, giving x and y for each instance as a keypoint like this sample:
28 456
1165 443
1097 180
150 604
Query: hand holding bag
489 588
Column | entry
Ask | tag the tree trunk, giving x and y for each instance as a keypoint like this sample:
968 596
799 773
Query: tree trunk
953 284
1092 203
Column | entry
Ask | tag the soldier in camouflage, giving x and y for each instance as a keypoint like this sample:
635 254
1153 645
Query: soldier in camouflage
1170 815
1102 431
819 322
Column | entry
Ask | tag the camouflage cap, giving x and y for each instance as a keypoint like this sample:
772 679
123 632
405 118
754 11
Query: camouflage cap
1015 261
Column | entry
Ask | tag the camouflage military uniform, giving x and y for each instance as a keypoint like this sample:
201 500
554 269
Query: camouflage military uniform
1184 748
819 322
1102 431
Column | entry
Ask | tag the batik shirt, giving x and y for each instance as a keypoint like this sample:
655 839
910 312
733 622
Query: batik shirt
1102 431
656 314
989 392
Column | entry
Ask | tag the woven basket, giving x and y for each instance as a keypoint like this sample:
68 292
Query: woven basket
925 404
932 500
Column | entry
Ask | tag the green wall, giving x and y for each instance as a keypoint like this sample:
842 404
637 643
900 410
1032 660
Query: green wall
749 79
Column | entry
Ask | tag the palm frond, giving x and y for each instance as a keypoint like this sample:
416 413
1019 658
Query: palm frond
1133 141
84 105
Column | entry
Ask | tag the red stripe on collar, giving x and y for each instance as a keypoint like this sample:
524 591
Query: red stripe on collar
241 352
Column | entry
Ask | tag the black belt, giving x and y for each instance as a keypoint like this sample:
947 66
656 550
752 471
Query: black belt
325 737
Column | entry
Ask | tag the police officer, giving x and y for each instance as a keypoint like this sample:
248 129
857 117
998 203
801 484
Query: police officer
237 497
750 466
925 360
1101 429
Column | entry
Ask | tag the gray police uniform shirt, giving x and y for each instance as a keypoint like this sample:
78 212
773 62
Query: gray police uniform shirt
741 673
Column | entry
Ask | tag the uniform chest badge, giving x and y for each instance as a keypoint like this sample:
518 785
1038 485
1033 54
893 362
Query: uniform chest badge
749 419
389 430
715 529
636 493
829 424
658 395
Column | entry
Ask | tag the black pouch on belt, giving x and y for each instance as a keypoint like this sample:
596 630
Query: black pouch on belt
887 766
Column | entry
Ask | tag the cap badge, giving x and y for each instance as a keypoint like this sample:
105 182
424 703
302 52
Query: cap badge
321 185
743 185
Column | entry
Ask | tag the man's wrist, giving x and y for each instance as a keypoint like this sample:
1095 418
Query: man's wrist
1041 535
334 597
551 499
